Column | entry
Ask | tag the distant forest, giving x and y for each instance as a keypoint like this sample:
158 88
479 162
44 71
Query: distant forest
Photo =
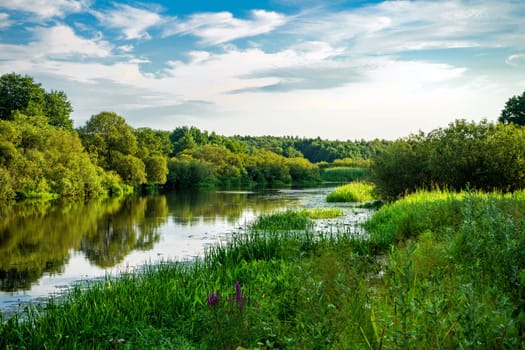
43 157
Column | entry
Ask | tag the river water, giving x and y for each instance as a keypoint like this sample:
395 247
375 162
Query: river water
45 249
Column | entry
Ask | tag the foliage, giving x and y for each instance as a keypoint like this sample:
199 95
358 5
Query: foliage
112 145
353 192
22 94
40 161
188 173
58 109
514 111
483 156
343 174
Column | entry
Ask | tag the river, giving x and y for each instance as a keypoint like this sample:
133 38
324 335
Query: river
45 249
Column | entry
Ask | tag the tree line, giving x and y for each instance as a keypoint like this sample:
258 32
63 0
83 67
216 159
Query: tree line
43 156
465 155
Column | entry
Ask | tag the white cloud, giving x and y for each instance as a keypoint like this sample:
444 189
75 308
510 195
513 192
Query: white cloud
46 8
517 60
126 48
133 22
4 20
59 41
222 27
397 26
400 72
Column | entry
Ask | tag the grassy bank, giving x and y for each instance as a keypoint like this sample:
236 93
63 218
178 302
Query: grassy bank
357 191
439 271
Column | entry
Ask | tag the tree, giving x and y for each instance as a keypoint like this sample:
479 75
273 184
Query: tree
112 144
107 133
156 169
514 111
20 93
58 109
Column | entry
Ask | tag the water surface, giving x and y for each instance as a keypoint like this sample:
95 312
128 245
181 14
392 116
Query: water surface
44 249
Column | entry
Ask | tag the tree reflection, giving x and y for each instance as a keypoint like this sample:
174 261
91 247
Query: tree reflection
130 228
37 239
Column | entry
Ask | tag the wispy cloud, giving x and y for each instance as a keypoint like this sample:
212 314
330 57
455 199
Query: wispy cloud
133 22
516 60
4 20
46 8
222 27
55 42
396 26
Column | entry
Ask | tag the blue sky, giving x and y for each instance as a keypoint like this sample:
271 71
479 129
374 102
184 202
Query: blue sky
338 69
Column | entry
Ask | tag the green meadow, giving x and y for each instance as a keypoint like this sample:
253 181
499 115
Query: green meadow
438 270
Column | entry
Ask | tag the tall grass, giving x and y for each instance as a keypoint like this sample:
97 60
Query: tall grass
456 280
343 174
352 192
449 274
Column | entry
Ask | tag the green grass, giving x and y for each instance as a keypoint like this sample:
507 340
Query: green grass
324 213
352 192
449 273
343 174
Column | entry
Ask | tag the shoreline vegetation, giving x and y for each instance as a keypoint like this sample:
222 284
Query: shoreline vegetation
441 266
42 157
453 278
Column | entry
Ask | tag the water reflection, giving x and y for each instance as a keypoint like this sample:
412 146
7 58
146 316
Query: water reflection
37 240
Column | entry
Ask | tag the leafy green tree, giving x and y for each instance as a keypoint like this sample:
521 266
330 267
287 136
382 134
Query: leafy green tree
460 155
6 185
58 109
156 169
514 111
130 168
42 161
106 133
152 142
20 93
185 172
302 171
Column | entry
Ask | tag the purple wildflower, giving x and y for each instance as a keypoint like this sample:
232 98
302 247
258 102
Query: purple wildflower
213 299
239 298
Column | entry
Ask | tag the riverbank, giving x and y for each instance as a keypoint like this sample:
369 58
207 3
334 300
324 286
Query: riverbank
439 270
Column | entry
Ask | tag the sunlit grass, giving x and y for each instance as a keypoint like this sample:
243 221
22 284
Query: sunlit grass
352 192
324 213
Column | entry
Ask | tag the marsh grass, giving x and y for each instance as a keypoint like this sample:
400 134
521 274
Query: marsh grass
343 174
323 213
353 192
438 283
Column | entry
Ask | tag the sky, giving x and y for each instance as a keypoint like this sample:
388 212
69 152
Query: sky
339 70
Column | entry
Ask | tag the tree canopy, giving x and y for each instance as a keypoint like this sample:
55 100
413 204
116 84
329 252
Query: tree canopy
21 93
514 111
